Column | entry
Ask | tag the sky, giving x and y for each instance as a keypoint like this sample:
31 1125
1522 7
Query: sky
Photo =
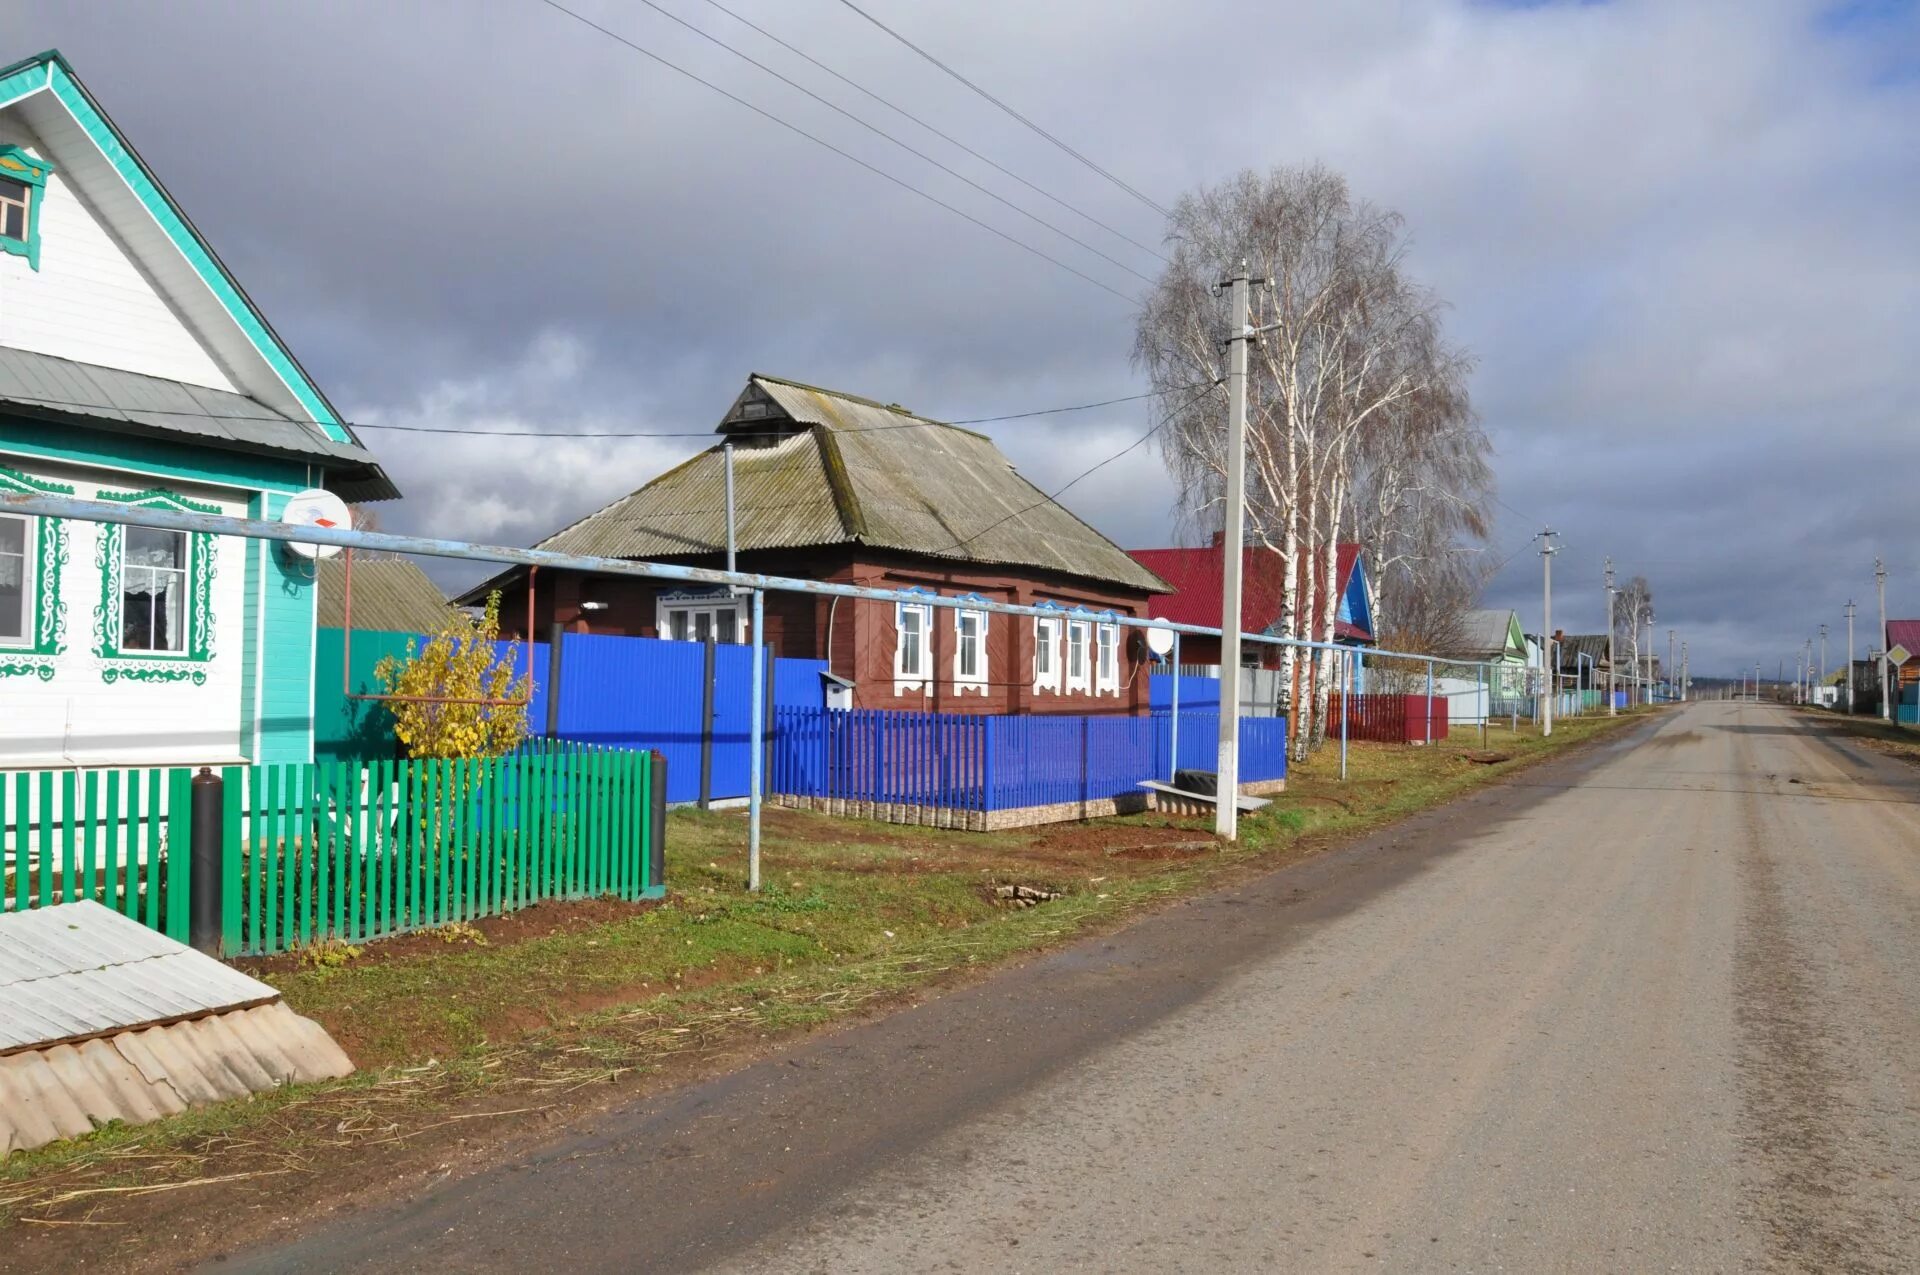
1678 237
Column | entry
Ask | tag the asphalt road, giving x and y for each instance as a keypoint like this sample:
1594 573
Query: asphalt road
1653 1007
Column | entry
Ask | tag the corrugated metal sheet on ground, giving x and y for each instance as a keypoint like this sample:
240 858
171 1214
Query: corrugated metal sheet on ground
65 1091
80 969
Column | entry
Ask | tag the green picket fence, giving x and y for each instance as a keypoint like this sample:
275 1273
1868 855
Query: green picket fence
118 837
311 853
343 852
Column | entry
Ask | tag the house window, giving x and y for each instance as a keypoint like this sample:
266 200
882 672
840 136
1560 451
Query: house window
1077 653
154 588
1045 634
23 180
694 617
16 580
1106 637
970 648
910 651
16 205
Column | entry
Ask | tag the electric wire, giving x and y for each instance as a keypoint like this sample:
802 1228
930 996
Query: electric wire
882 133
877 171
917 423
1008 109
949 138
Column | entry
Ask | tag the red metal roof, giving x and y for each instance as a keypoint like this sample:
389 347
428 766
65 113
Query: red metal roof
1899 633
1195 575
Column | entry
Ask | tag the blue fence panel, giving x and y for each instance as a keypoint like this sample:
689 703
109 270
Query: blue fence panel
968 762
1201 694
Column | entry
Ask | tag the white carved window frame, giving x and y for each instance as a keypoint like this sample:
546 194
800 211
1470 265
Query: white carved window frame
970 627
1048 659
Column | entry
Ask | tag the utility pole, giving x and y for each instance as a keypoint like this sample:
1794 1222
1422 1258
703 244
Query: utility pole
1551 680
1686 675
1227 778
1756 682
1823 662
1671 697
1880 582
1611 710
1850 609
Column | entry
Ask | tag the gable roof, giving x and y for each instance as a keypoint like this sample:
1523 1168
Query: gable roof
1196 577
1490 633
816 467
392 595
1574 645
1903 633
128 196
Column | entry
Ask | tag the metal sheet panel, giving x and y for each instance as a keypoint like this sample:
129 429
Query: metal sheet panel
43 385
80 969
66 1090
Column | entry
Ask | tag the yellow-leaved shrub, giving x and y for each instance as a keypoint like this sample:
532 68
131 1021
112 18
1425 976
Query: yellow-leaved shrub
463 661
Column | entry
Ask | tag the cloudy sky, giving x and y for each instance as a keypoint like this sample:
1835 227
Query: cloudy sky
1679 238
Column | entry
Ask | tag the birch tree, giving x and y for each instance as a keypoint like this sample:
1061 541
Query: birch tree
1358 419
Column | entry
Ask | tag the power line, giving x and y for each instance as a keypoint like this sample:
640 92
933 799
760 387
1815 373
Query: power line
937 132
918 423
1055 494
846 155
882 133
1008 109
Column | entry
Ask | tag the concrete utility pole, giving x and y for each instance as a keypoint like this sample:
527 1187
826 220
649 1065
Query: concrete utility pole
1671 696
1756 683
1611 710
1850 657
1880 583
1227 778
1686 675
1823 662
1550 680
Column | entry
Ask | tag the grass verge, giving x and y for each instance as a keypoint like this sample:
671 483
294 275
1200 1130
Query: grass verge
482 1031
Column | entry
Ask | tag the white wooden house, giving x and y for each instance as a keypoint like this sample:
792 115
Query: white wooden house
134 369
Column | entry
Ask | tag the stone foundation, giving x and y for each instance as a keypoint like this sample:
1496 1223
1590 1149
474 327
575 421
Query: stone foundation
1131 803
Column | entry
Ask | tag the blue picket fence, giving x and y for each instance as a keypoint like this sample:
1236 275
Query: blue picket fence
977 762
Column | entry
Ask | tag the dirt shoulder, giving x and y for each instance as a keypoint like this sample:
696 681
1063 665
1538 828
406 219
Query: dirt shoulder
510 1032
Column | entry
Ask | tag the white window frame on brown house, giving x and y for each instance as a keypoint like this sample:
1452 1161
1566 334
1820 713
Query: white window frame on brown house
975 680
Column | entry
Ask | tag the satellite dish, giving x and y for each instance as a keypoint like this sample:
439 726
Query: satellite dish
1159 640
315 508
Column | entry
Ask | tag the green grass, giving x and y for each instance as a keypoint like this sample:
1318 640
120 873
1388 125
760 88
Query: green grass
852 913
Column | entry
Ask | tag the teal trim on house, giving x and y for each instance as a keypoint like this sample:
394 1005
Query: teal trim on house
30 77
286 635
20 165
78 104
161 459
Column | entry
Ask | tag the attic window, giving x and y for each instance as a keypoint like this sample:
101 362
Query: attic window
23 180
16 203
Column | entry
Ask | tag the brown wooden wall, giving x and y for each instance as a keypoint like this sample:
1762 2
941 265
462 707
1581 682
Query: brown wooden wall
860 646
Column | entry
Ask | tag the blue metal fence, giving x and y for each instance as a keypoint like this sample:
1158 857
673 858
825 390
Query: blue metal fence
976 762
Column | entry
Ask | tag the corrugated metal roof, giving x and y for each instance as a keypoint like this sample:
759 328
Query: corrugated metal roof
65 1091
392 595
1487 634
855 472
45 386
80 969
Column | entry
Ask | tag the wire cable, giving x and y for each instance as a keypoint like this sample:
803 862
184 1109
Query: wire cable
916 423
1055 494
1008 109
902 111
882 133
846 155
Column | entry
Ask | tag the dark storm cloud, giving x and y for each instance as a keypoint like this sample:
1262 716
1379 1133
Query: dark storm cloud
1676 235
